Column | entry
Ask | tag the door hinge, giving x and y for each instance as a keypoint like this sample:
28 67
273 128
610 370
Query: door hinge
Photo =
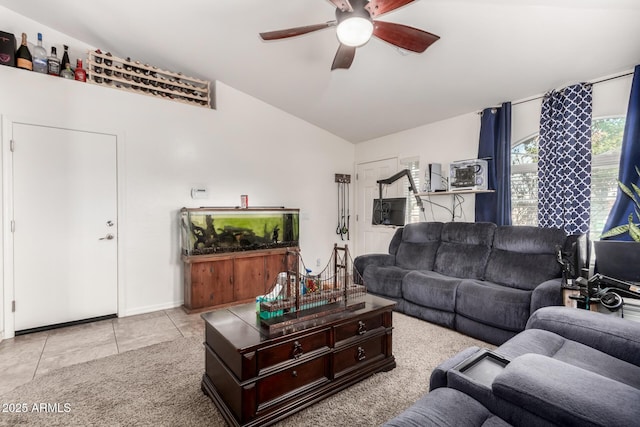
12 145
357 218
13 226
357 177
13 306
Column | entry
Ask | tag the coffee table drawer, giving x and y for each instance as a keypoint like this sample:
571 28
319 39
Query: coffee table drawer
295 349
353 357
358 329
291 382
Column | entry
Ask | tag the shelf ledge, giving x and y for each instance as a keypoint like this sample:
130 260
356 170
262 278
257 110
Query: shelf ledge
449 193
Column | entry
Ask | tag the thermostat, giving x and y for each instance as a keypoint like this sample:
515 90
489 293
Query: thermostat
199 193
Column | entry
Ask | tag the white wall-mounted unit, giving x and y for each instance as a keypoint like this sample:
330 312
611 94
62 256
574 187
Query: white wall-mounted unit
468 175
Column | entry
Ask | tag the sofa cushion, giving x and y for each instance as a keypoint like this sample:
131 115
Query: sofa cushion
565 394
613 335
523 257
552 345
464 249
420 241
430 289
446 407
493 304
385 281
395 241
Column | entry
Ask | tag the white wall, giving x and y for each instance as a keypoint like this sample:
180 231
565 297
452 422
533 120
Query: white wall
457 138
610 98
440 142
166 148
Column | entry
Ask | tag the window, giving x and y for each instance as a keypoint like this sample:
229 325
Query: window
413 210
606 142
524 182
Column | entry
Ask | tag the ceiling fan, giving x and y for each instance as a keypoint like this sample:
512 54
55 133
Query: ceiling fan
355 25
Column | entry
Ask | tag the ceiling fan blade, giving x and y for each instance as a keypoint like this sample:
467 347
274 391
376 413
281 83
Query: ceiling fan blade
343 5
293 32
379 7
405 37
344 57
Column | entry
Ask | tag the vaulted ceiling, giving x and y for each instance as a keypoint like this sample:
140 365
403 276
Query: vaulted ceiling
490 51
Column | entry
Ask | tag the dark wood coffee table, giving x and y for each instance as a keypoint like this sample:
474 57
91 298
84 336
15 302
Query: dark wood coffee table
258 379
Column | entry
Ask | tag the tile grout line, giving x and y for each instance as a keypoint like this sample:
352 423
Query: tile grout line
40 358
115 336
174 323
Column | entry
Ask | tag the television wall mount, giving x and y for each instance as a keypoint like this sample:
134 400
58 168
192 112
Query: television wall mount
394 178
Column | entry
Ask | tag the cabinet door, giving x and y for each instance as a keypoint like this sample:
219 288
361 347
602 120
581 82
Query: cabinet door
273 264
211 284
249 277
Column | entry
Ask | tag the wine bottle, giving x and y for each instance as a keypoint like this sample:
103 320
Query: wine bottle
65 59
53 62
23 56
80 73
40 57
67 73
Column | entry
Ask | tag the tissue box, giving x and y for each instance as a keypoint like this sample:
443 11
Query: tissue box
7 49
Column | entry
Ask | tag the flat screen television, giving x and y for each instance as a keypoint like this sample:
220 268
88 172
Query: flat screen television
389 211
616 259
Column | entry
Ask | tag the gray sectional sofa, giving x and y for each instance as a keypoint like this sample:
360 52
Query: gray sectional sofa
570 367
480 279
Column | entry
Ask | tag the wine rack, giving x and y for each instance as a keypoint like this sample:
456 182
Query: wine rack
104 69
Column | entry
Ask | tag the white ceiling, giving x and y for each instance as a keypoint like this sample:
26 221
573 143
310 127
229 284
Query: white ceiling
490 51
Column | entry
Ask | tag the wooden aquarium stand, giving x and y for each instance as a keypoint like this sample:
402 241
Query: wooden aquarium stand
213 281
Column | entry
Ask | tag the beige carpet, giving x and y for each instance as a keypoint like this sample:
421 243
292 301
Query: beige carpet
160 386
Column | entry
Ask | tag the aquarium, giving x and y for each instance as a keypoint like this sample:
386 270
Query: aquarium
206 231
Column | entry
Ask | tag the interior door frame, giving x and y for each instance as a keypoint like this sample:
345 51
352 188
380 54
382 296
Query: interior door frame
358 189
7 323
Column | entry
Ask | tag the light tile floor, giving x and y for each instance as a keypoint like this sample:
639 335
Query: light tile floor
27 356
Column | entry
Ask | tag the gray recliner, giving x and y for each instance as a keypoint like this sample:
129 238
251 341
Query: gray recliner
570 367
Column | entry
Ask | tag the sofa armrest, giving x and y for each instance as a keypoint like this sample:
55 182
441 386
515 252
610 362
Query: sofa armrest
565 394
363 261
439 374
615 336
546 294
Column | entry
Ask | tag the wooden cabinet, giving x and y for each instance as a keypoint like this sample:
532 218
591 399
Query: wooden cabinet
257 379
216 280
208 283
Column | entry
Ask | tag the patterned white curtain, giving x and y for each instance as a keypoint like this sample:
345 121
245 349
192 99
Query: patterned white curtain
564 159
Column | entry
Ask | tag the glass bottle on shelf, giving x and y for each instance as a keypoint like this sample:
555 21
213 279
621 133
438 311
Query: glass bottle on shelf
40 57
67 73
23 56
65 59
80 73
53 62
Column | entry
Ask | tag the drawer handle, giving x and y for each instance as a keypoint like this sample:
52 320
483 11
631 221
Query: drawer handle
361 354
294 374
297 350
362 328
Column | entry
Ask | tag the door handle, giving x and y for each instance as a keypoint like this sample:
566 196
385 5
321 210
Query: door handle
107 237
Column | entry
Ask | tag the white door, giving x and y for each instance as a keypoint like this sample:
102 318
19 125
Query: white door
374 238
65 213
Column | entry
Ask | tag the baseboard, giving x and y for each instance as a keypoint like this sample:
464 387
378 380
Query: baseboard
64 324
150 308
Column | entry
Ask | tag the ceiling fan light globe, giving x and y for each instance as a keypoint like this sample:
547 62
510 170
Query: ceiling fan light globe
354 31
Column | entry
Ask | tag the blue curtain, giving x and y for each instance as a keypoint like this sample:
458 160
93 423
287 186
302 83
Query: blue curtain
629 159
495 144
564 160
